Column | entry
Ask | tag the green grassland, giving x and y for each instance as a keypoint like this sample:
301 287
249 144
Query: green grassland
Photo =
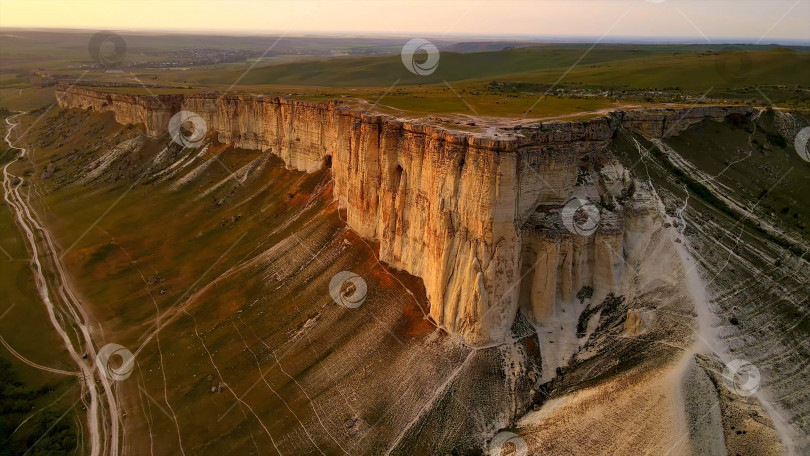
453 66
26 98
666 73
635 66
59 49
486 79
758 165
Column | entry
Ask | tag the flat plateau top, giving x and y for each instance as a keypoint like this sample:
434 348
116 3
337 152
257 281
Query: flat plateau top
475 123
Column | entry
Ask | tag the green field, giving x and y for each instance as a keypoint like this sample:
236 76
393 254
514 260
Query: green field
486 79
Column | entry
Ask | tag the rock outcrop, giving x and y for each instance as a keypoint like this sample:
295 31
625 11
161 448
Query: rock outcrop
478 217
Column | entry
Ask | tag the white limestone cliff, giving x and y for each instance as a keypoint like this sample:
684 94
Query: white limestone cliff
468 213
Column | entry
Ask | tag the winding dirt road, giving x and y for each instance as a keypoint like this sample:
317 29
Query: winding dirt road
66 315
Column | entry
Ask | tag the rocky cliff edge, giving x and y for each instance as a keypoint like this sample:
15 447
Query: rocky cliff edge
478 216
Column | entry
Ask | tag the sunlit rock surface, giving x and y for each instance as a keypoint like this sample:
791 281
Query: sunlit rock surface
601 355
448 207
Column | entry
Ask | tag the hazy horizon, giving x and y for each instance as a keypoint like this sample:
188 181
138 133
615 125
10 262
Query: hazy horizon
677 21
539 39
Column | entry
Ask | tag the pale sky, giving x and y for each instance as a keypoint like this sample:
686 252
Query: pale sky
757 20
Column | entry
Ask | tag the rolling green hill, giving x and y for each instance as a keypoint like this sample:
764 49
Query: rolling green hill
688 67
690 71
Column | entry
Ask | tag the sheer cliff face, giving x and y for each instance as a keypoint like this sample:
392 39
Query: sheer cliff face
458 210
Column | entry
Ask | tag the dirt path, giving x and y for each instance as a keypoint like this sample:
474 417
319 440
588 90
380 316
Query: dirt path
33 364
103 416
707 333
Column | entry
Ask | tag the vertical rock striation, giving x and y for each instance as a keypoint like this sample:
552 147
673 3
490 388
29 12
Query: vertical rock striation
474 215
